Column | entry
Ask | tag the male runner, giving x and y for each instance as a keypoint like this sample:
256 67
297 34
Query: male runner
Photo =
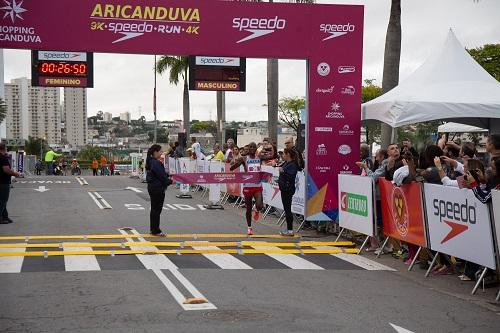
251 163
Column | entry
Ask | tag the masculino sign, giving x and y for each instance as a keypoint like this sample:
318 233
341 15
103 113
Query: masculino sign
402 212
356 203
220 28
459 224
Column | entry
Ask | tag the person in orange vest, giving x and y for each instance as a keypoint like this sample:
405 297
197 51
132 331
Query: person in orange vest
103 166
95 165
112 167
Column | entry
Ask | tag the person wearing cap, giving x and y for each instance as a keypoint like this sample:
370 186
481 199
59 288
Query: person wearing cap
6 174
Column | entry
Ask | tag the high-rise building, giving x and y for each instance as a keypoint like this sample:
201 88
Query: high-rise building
107 117
125 116
32 111
75 110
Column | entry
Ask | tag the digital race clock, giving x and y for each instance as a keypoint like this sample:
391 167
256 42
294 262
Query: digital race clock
62 69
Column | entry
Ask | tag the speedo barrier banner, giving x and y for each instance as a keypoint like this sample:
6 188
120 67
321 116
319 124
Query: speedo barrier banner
330 39
495 203
356 204
459 224
402 212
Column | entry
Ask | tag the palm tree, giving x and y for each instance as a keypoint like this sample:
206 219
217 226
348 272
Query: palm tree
3 110
392 55
178 67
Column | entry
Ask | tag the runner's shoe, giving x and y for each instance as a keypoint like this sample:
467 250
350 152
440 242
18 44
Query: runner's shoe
256 215
249 231
288 233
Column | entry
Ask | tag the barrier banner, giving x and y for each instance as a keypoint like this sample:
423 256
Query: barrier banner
220 178
299 198
459 224
184 168
495 203
20 161
172 166
402 212
232 188
271 194
356 204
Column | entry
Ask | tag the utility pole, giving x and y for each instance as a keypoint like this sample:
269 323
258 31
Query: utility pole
154 104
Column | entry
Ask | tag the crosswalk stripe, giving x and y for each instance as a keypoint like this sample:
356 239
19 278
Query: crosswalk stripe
153 261
224 261
358 260
291 260
80 262
11 264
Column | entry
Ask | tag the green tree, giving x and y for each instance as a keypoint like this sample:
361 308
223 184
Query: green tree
289 109
90 152
178 70
488 56
33 146
371 91
3 110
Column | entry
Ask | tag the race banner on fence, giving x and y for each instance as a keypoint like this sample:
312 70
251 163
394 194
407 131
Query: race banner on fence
220 178
185 164
356 204
299 198
495 203
270 190
172 166
402 212
459 224
233 188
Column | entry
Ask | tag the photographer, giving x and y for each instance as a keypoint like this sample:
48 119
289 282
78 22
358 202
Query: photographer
286 181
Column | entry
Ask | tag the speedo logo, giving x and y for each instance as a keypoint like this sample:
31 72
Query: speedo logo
336 30
258 27
454 211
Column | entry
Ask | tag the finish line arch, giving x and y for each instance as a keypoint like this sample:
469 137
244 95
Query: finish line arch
329 37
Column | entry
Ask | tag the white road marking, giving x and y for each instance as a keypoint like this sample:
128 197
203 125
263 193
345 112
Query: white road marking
291 260
104 202
11 264
95 200
135 189
358 260
41 189
223 260
134 206
162 262
75 263
400 329
79 180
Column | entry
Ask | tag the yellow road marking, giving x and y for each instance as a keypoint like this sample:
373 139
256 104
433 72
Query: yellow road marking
182 251
174 244
115 236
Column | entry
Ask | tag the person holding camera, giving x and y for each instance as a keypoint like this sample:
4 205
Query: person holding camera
158 181
286 182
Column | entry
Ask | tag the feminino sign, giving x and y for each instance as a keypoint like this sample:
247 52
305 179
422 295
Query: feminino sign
459 224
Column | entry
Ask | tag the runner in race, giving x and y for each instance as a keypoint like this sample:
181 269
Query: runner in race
251 163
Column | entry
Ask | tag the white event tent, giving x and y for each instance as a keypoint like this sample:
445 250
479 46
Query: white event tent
450 86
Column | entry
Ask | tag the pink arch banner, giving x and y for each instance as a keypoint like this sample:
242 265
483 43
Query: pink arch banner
329 37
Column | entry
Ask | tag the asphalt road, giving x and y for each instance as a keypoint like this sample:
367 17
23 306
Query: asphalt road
145 293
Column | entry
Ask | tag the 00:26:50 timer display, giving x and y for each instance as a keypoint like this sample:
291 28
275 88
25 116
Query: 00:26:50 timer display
62 68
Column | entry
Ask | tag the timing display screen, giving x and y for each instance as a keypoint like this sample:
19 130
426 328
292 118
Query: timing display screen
62 69
217 73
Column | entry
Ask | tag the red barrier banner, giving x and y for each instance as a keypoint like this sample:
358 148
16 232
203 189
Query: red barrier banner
221 177
402 212
233 188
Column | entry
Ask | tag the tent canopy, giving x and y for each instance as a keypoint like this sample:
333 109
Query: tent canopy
449 85
459 128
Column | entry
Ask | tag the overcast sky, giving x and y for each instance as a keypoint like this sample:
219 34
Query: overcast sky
425 24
